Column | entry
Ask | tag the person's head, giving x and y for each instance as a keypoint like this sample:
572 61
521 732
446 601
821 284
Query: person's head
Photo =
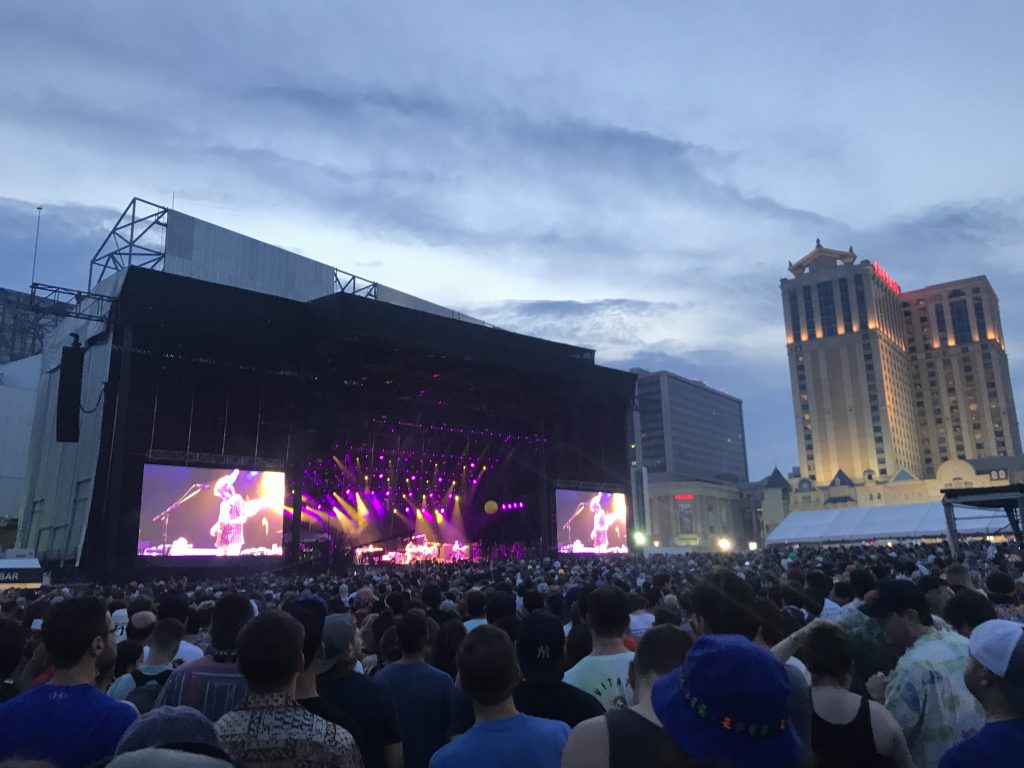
1000 587
311 616
165 639
12 646
863 581
431 595
341 644
80 632
140 625
842 592
958 577
488 667
500 604
230 614
446 645
539 648
901 611
270 652
967 609
168 725
533 601
129 654
608 612
936 592
729 704
828 655
995 667
475 603
726 605
412 633
660 650
173 607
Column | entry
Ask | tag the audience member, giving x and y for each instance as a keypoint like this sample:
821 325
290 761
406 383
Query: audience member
995 675
213 685
624 738
423 695
176 607
12 647
501 736
446 645
729 705
142 686
968 609
269 728
68 721
476 602
542 692
847 729
604 672
926 691
364 699
164 726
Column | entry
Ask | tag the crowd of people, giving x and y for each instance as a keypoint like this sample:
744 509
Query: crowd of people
844 656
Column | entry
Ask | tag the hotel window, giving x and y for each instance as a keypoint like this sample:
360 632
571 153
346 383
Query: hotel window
940 320
844 301
979 317
794 314
809 310
959 318
862 307
827 304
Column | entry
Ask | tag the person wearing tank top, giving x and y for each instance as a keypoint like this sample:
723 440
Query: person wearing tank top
847 730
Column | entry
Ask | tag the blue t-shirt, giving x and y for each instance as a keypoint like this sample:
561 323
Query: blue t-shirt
424 697
68 725
512 742
997 745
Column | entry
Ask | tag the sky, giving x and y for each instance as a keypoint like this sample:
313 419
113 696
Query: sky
629 177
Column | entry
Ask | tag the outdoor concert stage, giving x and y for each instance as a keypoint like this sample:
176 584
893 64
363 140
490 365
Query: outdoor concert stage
353 423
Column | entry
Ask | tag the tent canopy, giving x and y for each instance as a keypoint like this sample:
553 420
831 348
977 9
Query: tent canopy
900 521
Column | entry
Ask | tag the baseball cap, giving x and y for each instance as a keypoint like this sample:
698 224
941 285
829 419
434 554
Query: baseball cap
168 725
729 702
339 634
539 645
998 645
895 597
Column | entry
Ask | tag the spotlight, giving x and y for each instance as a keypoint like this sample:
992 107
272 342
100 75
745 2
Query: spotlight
639 538
752 546
725 544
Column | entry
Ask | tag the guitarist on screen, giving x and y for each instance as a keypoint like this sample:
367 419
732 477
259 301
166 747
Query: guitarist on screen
228 528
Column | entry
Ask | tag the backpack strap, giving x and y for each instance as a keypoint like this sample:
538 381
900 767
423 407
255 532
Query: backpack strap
141 678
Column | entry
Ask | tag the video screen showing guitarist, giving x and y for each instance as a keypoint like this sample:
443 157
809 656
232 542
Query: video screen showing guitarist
228 529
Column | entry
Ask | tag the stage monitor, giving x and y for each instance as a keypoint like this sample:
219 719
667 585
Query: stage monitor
591 522
204 512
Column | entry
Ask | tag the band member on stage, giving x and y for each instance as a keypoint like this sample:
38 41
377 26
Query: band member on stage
600 533
230 522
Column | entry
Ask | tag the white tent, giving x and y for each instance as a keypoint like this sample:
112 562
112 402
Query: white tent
902 521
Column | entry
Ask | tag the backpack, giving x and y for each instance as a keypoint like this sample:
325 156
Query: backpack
147 688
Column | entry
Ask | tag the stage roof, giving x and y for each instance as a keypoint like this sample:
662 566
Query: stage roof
903 521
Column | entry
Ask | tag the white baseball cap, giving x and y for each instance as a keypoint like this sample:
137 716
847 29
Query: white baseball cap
998 645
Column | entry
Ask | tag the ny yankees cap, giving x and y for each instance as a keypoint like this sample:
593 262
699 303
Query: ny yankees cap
540 647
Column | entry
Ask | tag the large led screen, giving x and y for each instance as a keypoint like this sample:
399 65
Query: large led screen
197 512
591 522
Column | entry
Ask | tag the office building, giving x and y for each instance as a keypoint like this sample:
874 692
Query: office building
689 431
886 382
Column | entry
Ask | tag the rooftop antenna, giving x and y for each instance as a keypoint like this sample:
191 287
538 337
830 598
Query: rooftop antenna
172 199
35 250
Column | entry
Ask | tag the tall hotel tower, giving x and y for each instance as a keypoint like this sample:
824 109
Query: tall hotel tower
885 381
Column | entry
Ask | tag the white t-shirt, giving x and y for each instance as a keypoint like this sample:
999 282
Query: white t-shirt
640 623
605 677
471 624
186 652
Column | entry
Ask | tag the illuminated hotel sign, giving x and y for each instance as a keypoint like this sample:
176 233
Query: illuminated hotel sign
885 278
683 497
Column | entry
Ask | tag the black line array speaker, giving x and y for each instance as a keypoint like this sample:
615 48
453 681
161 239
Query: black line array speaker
69 393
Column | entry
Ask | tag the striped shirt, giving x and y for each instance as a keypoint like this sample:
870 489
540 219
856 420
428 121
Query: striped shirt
213 687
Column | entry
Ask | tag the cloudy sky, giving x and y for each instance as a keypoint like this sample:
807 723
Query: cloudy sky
632 177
